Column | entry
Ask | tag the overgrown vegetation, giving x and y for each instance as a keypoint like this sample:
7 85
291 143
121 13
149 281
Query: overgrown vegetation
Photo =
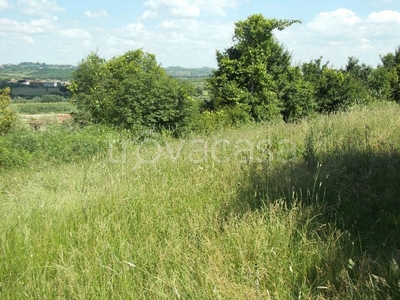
54 143
7 116
255 80
285 187
130 91
269 211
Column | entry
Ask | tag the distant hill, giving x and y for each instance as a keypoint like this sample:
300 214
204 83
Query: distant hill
37 71
40 71
181 72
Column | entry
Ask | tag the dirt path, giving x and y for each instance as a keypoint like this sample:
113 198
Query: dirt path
38 120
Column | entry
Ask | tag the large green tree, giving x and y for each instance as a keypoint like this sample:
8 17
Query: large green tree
131 90
251 76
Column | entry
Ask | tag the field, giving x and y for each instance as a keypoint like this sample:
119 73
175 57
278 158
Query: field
29 93
42 108
276 211
36 71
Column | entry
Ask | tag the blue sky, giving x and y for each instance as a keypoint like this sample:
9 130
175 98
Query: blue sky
188 32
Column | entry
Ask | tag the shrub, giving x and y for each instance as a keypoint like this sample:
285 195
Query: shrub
333 89
52 98
130 91
7 116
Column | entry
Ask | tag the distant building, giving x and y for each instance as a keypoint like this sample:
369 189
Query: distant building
50 84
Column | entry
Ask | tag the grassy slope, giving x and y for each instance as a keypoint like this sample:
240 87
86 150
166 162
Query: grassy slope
204 218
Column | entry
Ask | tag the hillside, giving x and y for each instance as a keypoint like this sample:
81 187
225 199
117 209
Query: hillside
307 210
29 70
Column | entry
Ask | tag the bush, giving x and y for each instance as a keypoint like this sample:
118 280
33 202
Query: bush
131 91
210 121
52 98
7 116
334 89
12 157
58 144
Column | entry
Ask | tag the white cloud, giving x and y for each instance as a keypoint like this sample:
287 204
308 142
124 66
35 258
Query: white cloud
338 34
96 14
39 7
217 7
88 44
339 17
28 40
386 16
185 42
171 8
169 25
134 29
187 8
4 4
35 26
75 34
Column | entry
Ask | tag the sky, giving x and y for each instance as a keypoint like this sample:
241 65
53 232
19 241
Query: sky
187 33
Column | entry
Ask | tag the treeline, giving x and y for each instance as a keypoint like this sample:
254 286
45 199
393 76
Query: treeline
255 81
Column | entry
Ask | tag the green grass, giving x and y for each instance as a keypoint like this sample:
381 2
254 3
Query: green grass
284 211
42 108
34 73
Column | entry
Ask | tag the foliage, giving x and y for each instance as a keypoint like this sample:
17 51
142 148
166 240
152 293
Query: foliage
250 72
298 96
391 74
131 91
211 121
52 98
334 89
59 143
7 116
381 82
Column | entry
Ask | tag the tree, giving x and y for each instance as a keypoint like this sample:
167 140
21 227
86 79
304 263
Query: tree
7 116
391 66
129 91
298 96
248 82
334 89
361 72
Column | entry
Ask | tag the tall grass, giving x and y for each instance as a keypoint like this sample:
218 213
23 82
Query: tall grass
42 108
262 212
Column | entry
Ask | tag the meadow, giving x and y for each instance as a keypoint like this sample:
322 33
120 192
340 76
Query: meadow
306 210
42 108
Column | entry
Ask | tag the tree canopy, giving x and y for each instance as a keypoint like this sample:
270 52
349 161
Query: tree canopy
129 91
252 73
